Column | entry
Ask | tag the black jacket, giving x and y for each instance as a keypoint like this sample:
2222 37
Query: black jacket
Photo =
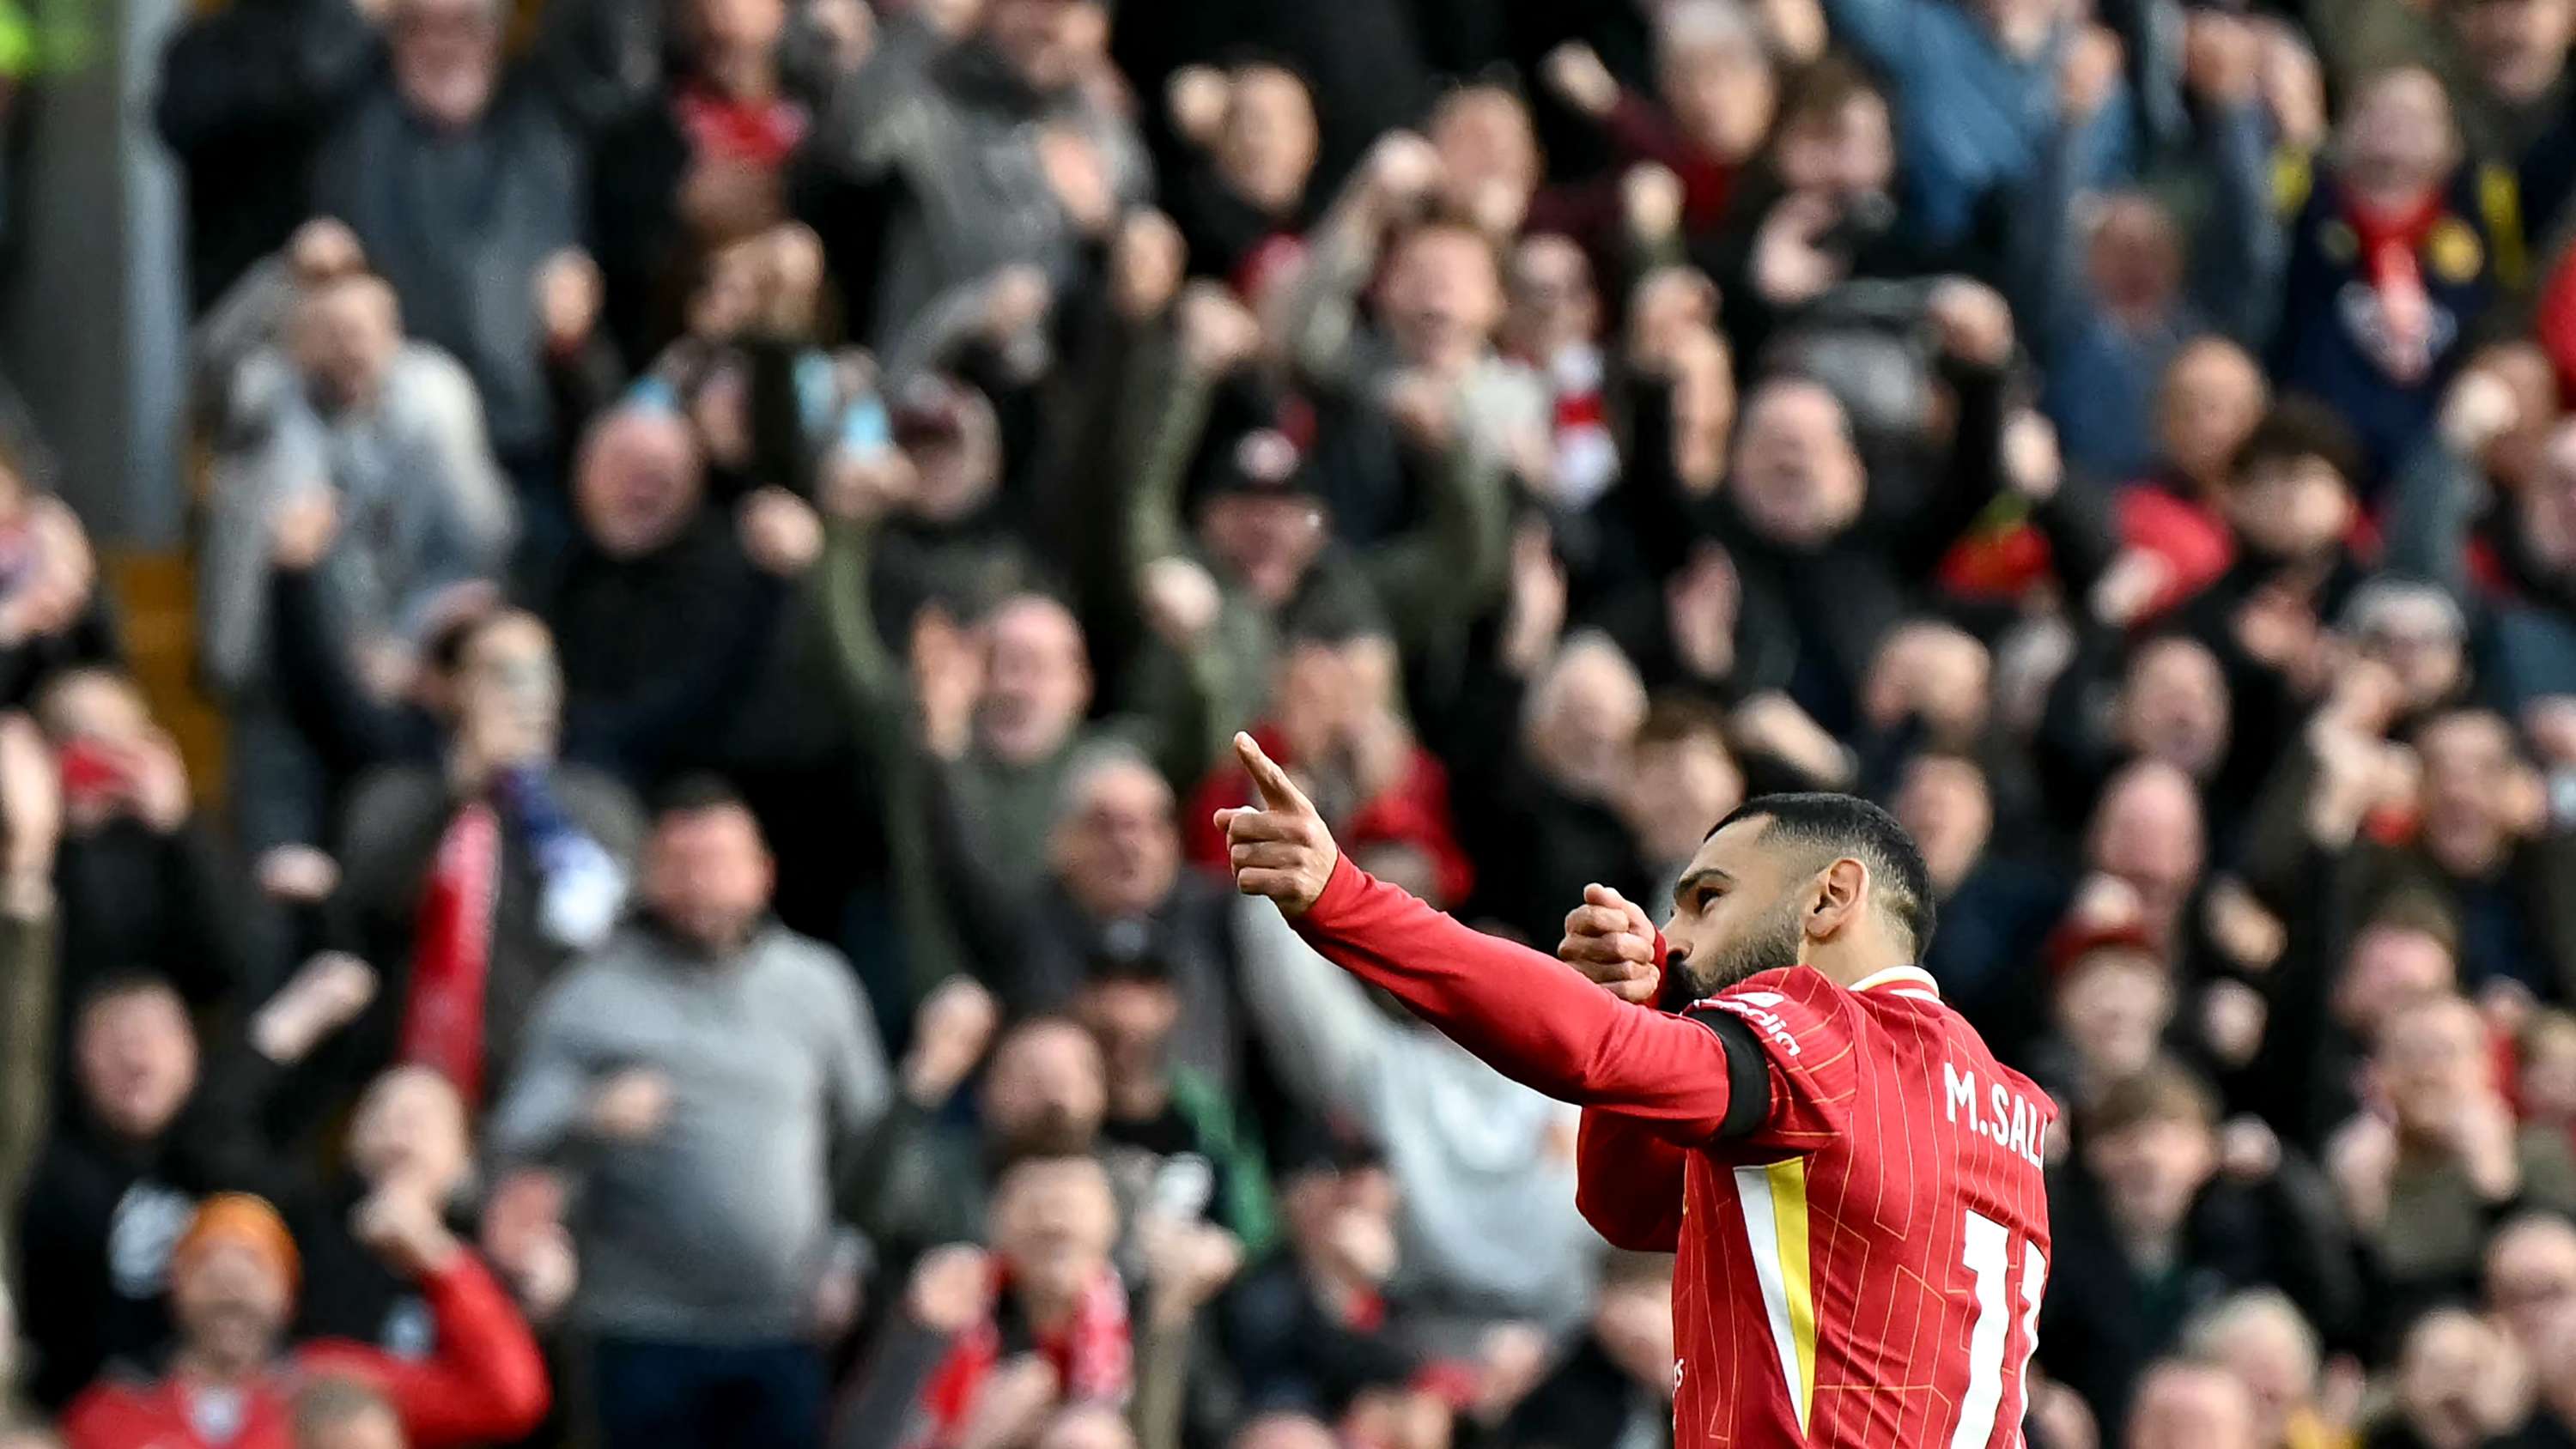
100 1217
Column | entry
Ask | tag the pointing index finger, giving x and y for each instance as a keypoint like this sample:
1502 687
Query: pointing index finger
1278 792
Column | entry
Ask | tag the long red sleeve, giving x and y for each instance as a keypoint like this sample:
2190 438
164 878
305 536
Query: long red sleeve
1628 1183
1533 1018
486 1383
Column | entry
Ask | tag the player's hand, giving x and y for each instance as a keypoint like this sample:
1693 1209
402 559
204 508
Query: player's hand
1281 849
1609 939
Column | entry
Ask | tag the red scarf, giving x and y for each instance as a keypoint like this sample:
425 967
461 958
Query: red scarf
1091 1356
758 134
1587 454
2389 243
443 1022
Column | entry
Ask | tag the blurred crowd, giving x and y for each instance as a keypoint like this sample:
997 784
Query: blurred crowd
732 535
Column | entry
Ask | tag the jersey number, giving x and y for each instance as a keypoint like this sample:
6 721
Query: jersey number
1986 1250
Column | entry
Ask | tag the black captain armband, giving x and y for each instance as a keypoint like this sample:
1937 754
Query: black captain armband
1748 1072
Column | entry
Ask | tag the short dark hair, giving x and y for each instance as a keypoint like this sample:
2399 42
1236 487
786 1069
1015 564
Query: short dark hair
697 793
1673 719
122 983
2415 909
1822 90
2299 428
1847 825
2161 1091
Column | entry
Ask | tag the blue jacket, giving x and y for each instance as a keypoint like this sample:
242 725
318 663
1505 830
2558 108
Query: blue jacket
1970 118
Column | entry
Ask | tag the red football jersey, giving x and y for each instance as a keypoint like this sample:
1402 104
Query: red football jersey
1864 1269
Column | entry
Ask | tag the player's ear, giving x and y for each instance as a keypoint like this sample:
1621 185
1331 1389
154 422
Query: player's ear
1839 892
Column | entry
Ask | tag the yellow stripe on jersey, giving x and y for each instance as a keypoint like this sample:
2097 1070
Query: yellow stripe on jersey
1789 1213
1774 1201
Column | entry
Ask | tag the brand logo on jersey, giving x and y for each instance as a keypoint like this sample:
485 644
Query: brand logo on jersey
1755 1007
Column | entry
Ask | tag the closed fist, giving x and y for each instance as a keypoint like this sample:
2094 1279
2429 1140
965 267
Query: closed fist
1609 939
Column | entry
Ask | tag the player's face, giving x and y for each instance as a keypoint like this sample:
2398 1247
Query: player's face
1738 912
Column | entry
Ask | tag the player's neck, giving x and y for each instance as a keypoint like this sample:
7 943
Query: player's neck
1848 964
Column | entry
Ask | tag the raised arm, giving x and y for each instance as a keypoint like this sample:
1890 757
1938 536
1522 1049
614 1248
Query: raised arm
2442 485
30 821
486 1379
1530 1017
1976 331
1315 316
1453 565
868 670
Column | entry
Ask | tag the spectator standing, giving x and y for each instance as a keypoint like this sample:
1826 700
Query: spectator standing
390 433
666 606
1047 1325
2399 220
116 1185
463 185
995 144
469 887
704 1074
248 94
233 1283
1974 92
145 886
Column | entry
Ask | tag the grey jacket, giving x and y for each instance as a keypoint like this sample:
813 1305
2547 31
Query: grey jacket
460 223
958 133
423 506
714 1229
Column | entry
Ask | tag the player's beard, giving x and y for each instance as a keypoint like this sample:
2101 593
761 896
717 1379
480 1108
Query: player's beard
1769 944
